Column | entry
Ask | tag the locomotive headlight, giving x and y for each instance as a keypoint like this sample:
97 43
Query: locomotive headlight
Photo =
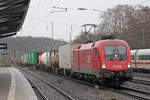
129 65
103 65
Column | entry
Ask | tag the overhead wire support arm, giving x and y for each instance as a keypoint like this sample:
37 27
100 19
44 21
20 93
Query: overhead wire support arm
59 7
90 9
63 9
91 26
82 9
98 10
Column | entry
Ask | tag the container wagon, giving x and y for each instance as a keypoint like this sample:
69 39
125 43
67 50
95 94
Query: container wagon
66 58
32 58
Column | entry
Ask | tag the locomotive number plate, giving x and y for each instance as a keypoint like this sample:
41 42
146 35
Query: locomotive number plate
116 66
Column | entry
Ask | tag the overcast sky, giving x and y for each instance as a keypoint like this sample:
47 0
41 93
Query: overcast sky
39 16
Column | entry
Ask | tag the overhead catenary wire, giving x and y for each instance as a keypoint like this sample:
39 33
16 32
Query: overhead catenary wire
35 12
48 22
43 19
51 10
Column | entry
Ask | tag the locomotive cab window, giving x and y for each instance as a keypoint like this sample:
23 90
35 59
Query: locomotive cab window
115 52
96 53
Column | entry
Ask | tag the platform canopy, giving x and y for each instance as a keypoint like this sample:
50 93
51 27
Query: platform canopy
12 15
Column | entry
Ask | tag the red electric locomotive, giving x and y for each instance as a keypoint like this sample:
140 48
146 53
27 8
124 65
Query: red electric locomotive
106 60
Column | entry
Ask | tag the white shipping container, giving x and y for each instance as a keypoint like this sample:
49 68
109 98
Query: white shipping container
21 59
66 56
45 58
25 58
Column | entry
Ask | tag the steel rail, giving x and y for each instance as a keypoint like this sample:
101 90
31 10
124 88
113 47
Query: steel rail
34 86
53 86
126 91
140 81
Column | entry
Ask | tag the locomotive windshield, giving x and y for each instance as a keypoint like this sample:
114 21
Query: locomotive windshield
115 52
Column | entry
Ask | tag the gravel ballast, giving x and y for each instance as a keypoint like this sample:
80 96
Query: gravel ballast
77 90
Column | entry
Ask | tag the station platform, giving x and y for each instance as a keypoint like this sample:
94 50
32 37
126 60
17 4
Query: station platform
14 86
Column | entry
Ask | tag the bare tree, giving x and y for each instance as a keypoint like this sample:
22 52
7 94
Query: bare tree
129 23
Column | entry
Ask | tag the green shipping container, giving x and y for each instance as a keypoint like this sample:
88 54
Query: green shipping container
28 58
32 57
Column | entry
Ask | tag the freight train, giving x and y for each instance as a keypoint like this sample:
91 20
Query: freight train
106 61
141 60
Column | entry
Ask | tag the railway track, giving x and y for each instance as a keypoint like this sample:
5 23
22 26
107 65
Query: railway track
38 91
123 90
137 94
142 95
141 75
67 96
75 80
140 81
